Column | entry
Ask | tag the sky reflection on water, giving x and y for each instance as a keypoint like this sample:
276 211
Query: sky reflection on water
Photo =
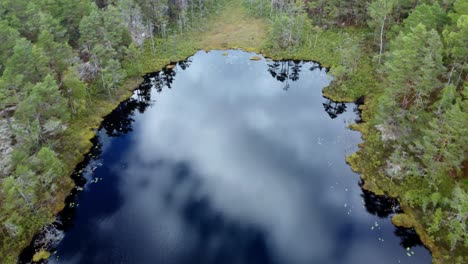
237 162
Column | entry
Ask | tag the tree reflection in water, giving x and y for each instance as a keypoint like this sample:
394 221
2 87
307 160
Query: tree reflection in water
384 207
334 109
199 212
284 71
409 237
119 122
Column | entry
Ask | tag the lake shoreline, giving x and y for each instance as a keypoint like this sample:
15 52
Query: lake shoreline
126 91
126 96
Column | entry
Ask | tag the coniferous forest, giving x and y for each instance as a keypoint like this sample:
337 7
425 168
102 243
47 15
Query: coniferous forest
65 64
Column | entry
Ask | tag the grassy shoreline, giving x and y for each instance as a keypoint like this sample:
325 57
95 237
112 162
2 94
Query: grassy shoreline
368 165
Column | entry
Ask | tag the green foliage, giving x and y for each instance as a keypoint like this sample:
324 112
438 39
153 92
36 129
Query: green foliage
337 13
90 27
456 37
41 255
441 149
349 52
59 54
378 11
265 8
44 110
289 28
431 16
426 123
412 67
457 219
27 65
48 165
8 35
75 90
460 8
437 220
112 75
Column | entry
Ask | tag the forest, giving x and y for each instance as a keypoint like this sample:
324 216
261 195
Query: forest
65 64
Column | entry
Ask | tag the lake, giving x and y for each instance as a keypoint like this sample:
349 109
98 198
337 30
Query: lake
227 160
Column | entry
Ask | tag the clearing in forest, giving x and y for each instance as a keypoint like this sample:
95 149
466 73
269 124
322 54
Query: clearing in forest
233 27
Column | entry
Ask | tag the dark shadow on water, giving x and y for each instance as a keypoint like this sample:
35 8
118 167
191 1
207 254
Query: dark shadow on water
334 109
379 205
231 240
409 237
384 207
238 244
120 121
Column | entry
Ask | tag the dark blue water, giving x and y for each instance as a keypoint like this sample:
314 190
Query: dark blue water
224 160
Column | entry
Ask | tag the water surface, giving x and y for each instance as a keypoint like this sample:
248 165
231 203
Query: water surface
227 160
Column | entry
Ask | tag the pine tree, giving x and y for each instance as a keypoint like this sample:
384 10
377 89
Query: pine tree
75 90
59 54
43 112
27 65
456 37
8 35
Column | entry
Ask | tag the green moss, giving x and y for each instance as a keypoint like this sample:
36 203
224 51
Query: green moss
403 220
41 255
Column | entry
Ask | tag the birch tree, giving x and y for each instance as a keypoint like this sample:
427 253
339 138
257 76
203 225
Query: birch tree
379 12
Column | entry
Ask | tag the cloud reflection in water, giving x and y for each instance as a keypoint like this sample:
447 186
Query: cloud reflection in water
228 167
